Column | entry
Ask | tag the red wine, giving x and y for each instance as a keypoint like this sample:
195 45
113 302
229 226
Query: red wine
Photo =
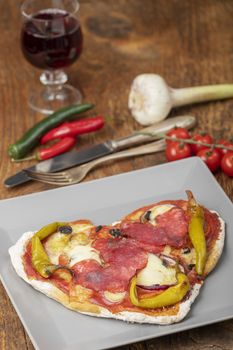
52 39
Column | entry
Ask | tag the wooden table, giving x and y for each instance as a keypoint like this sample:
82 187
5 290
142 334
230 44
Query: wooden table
187 42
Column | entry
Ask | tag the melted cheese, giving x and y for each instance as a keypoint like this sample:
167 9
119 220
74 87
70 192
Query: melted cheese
77 253
189 258
159 210
55 246
167 250
74 245
156 272
114 297
77 228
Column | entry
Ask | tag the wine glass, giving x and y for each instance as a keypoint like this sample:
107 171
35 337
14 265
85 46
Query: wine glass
51 39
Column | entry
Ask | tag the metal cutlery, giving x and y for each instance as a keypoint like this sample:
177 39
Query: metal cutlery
74 158
77 174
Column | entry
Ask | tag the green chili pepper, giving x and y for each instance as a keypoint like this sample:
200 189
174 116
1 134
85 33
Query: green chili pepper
31 138
170 296
196 232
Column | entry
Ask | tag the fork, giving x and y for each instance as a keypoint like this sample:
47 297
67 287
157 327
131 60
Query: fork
77 174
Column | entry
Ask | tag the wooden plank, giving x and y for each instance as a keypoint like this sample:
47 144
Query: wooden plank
189 42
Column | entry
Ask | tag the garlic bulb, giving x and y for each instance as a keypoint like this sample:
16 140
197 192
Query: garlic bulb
151 99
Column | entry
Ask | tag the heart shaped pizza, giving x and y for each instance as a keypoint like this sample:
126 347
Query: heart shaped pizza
146 268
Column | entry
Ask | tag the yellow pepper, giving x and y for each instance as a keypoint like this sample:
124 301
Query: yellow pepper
48 230
40 259
196 232
170 296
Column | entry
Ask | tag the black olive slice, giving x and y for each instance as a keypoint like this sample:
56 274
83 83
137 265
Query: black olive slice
98 228
186 250
191 266
65 229
146 216
115 232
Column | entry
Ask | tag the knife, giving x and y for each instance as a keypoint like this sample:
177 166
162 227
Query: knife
73 158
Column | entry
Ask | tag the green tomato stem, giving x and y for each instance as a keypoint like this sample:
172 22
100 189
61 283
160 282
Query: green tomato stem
193 142
190 141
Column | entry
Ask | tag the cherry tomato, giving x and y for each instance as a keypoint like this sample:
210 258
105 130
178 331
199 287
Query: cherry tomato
177 150
224 143
211 157
201 137
227 164
180 133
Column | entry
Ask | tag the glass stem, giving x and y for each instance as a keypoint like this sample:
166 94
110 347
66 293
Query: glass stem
53 80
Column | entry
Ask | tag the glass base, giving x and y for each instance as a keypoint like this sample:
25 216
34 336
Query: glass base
51 99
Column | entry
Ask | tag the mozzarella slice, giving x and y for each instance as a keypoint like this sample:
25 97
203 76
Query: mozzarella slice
77 228
159 210
156 272
190 257
114 297
77 253
74 245
55 246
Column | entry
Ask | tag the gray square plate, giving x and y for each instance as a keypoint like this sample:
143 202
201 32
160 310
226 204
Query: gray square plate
49 324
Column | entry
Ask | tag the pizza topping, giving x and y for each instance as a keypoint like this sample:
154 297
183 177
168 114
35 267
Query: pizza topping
115 232
55 245
65 229
211 227
82 226
27 262
122 259
79 238
170 296
114 297
113 278
146 217
63 272
80 293
98 228
158 210
188 257
150 247
121 251
40 259
191 266
47 230
58 243
77 253
196 232
170 229
186 250
156 273
42 263
167 250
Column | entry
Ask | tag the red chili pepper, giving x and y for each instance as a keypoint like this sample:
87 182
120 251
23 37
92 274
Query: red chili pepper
74 128
57 148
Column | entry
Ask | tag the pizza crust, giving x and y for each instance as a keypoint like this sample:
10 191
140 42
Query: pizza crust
217 249
17 251
85 307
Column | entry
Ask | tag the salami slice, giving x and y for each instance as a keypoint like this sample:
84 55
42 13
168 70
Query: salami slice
122 258
171 228
92 275
211 227
121 251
